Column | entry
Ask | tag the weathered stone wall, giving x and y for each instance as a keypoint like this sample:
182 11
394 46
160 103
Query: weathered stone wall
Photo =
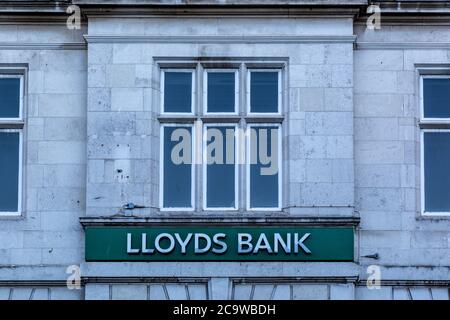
387 152
351 143
48 238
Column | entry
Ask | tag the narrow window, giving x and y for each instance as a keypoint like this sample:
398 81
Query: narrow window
10 97
265 94
435 145
11 126
178 93
436 98
437 170
221 92
178 167
264 166
220 167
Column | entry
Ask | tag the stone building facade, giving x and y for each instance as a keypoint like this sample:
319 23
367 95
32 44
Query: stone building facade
351 101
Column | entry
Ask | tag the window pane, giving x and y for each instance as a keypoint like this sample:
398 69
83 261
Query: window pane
177 167
264 92
437 171
9 97
9 171
221 91
177 92
264 165
220 168
436 98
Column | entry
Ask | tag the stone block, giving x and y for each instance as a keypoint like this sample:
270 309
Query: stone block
339 147
62 152
65 129
318 170
377 60
62 105
311 99
379 152
382 176
367 82
376 129
329 123
310 292
97 292
338 99
127 99
129 292
342 291
364 293
379 199
96 76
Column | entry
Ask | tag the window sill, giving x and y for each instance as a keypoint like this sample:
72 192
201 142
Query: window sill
12 216
433 216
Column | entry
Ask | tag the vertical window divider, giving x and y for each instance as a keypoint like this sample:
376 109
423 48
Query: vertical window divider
243 140
198 149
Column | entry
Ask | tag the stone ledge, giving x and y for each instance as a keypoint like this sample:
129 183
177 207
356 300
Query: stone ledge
218 220
237 270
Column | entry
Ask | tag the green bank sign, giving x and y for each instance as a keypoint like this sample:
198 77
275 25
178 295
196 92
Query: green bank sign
227 243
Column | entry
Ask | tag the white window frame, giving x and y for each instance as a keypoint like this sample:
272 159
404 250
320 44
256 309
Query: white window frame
435 122
280 166
193 91
241 119
20 118
423 119
161 166
20 175
236 91
19 122
422 173
205 165
248 93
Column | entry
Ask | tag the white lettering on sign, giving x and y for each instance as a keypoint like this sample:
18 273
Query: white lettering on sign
183 243
246 243
130 250
144 245
299 243
158 240
207 239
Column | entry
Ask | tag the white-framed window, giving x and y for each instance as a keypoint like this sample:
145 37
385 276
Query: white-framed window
435 144
264 169
221 91
11 144
177 157
221 125
220 168
181 81
264 91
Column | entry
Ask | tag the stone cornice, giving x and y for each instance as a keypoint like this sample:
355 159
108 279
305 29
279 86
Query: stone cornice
36 7
361 45
411 6
223 221
400 12
42 46
219 39
221 11
409 283
148 8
